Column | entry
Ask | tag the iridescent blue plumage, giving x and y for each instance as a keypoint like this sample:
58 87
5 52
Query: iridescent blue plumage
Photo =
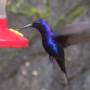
50 44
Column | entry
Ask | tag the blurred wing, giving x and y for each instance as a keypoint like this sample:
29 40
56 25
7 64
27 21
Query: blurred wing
73 39
72 34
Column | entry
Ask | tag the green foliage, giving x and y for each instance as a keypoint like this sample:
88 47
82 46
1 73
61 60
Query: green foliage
26 11
71 15
75 12
24 8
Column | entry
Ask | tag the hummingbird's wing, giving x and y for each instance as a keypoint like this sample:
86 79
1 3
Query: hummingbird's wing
68 40
72 34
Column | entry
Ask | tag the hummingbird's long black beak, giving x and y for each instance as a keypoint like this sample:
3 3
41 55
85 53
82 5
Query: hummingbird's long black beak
26 26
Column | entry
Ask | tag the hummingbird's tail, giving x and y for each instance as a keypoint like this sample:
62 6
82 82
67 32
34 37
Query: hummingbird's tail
61 63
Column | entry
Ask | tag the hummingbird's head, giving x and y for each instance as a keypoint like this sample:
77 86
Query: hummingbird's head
41 25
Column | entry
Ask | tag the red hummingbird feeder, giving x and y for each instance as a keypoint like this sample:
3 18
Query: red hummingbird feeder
10 38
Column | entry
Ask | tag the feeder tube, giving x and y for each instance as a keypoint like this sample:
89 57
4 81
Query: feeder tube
2 8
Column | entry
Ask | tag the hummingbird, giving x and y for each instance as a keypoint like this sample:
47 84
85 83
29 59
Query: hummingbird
50 43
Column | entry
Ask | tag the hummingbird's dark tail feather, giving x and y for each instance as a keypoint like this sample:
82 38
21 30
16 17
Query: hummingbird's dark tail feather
61 63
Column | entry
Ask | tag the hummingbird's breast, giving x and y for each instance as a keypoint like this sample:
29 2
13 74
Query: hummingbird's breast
51 46
49 43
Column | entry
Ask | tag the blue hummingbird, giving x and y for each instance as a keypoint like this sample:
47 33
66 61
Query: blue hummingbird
50 43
